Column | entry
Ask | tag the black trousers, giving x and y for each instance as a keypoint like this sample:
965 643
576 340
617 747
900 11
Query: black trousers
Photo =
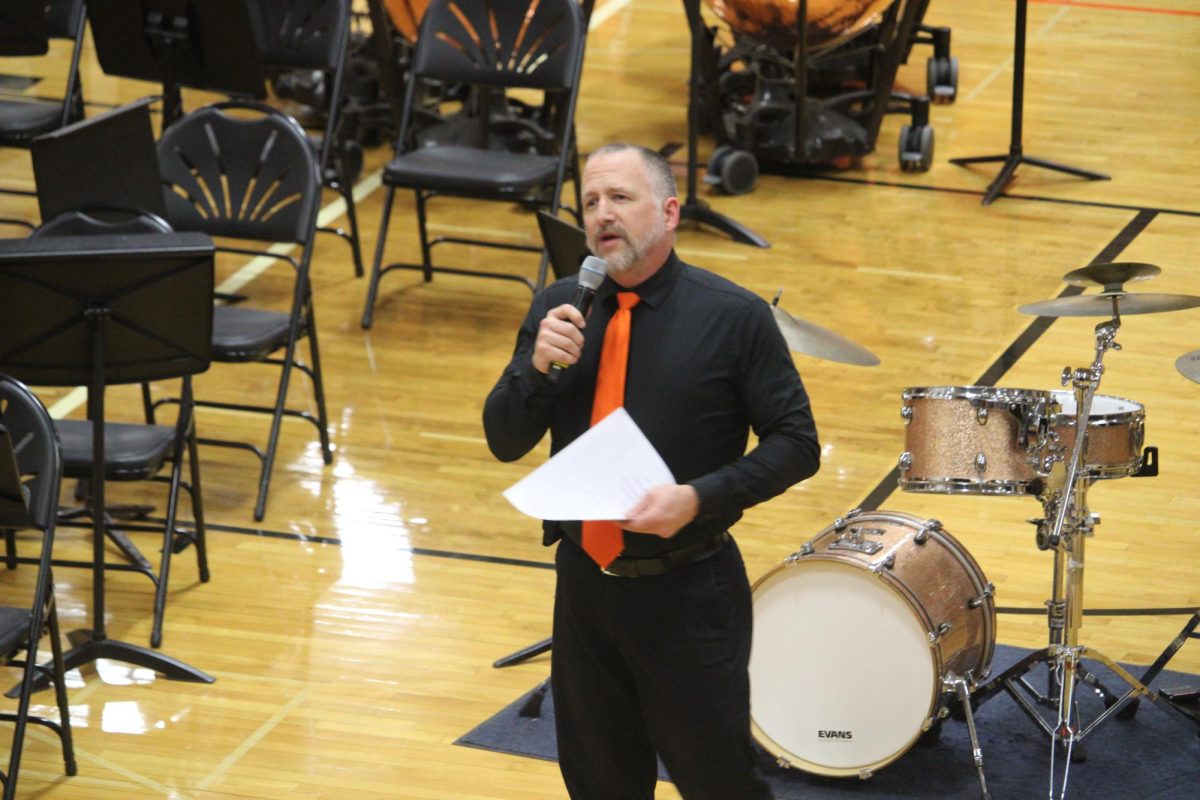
654 664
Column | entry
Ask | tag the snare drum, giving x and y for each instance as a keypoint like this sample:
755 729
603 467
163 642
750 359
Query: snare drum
1116 431
974 439
855 636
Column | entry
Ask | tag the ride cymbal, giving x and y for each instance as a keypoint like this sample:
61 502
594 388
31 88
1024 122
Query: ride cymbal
1102 305
1188 365
805 337
1111 275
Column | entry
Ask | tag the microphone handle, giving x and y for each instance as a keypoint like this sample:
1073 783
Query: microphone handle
582 301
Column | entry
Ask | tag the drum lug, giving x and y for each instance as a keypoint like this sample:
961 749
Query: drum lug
981 415
783 763
865 775
988 591
980 464
806 549
942 629
887 563
905 461
922 535
906 412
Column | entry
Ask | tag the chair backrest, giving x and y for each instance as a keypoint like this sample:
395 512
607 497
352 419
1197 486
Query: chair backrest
308 34
64 18
534 44
30 433
101 222
250 176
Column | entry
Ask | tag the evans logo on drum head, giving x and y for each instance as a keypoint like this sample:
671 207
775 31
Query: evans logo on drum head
835 734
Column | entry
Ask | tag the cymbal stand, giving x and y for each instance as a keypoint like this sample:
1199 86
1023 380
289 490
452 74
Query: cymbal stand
1066 505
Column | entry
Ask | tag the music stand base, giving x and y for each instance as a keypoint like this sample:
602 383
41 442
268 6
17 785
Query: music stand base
86 648
700 213
1014 160
524 654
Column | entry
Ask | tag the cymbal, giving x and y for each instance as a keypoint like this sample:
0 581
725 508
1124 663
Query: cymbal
1101 305
1111 275
805 337
1188 365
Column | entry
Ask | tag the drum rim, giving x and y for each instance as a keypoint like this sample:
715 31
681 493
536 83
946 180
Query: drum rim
979 395
1138 412
999 488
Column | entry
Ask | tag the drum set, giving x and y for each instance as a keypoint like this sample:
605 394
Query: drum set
899 622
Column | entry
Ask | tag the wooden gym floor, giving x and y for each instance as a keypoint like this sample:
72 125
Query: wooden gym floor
352 632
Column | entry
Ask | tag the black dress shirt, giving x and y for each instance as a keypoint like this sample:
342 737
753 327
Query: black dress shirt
707 364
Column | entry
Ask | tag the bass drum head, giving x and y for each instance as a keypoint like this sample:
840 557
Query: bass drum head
842 674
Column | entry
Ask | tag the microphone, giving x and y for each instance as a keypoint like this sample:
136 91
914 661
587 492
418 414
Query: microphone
591 275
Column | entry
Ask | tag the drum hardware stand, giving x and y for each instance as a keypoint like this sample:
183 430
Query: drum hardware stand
961 687
691 208
1016 155
1072 524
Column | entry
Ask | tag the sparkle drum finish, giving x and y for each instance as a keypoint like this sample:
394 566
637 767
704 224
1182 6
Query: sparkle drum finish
773 22
1115 432
975 439
855 636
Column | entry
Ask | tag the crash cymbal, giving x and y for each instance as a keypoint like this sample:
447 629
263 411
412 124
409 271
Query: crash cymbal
805 337
1111 275
1188 365
1101 305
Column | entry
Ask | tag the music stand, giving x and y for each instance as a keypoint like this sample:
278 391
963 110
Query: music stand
106 161
202 45
23 28
692 209
1016 155
100 310
565 243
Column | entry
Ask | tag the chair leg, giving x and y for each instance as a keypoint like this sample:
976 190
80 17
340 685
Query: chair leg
268 461
314 350
164 571
347 192
60 688
377 266
426 249
198 505
10 548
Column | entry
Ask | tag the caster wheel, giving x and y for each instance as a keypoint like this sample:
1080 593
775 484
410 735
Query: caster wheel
941 75
731 170
712 173
916 148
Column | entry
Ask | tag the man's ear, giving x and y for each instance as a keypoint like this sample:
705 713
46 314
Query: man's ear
671 212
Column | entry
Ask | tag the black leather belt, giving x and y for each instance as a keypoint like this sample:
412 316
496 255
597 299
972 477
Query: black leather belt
632 567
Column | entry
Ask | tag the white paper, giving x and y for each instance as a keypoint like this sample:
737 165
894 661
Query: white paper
601 475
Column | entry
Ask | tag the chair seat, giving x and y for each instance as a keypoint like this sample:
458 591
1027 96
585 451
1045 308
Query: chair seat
22 121
453 168
14 628
247 334
131 452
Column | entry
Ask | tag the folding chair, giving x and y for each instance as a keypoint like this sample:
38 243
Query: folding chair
246 171
30 474
26 28
315 35
470 53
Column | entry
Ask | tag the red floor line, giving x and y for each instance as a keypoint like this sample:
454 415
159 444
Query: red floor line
1178 12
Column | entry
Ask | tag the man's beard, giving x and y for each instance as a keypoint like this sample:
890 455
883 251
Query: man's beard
633 251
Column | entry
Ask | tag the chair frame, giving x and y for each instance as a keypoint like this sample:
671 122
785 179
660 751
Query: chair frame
302 315
281 23
37 455
560 102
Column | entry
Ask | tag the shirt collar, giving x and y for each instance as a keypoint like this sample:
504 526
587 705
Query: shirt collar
653 291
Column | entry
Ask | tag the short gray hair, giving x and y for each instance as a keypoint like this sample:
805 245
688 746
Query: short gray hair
662 180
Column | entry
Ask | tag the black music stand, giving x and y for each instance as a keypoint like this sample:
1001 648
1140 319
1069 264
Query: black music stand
95 311
23 28
692 209
1016 155
202 45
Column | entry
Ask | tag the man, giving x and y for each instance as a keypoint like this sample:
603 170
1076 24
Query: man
651 648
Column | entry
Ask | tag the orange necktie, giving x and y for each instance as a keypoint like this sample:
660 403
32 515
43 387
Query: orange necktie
602 539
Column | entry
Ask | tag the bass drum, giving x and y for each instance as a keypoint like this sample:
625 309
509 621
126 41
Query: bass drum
855 637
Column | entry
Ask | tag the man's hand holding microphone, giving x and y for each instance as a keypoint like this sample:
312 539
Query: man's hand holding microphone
560 334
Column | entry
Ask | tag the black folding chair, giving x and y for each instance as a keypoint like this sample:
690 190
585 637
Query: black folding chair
314 35
468 55
26 28
30 474
246 171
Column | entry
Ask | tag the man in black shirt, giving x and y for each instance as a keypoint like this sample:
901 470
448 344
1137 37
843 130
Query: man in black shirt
651 652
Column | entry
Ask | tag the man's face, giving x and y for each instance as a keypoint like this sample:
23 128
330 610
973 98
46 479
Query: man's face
624 219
